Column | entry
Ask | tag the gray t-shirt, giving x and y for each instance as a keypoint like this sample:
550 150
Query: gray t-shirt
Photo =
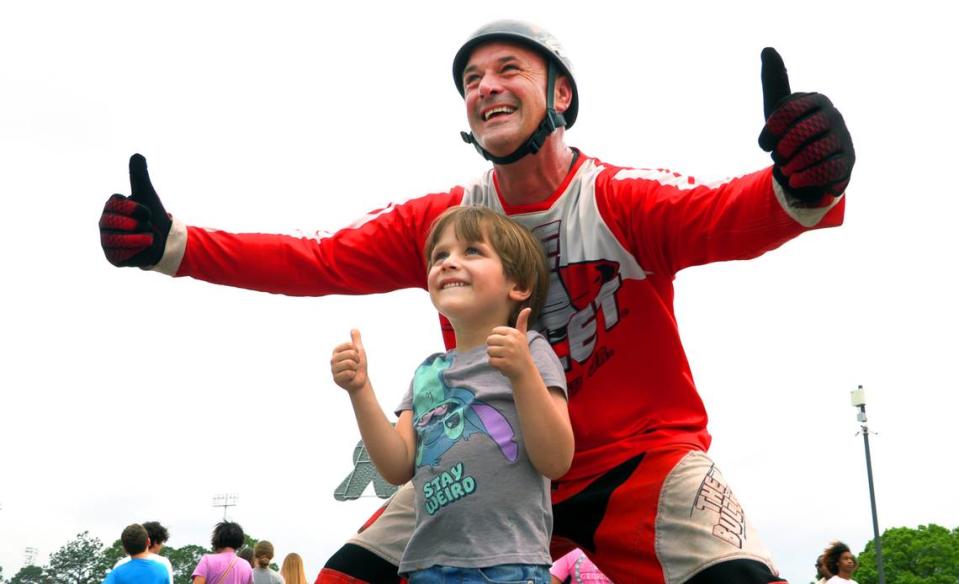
479 501
266 576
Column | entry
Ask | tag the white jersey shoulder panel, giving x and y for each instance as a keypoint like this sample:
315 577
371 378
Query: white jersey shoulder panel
571 229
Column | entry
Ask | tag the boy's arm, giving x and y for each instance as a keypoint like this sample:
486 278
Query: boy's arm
542 410
391 449
544 418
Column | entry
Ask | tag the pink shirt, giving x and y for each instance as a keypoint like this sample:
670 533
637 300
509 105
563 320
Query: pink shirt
578 568
212 566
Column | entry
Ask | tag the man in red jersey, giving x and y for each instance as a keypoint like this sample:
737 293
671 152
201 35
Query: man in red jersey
642 498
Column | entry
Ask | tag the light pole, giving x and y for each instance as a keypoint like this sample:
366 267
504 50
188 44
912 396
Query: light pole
859 401
225 500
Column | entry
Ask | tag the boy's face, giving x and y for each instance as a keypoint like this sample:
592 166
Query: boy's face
467 284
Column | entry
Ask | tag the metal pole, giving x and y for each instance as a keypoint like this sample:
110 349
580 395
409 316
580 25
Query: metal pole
872 496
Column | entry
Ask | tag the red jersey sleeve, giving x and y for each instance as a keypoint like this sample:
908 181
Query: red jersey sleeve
381 252
669 221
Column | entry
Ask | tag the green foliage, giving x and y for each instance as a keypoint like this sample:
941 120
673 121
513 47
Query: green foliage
184 560
30 575
111 555
80 561
928 554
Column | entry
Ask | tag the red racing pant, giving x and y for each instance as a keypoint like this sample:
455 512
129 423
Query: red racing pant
664 517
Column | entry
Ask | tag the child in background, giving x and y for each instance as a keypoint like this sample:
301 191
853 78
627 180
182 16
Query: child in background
158 536
139 569
484 427
576 568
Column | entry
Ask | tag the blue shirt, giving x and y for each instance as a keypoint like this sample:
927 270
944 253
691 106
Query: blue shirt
138 571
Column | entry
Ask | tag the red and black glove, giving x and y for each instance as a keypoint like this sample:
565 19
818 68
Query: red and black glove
811 147
134 229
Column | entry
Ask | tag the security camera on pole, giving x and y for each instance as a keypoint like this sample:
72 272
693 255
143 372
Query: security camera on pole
858 397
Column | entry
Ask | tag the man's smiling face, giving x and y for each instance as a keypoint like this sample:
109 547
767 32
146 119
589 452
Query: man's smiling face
505 93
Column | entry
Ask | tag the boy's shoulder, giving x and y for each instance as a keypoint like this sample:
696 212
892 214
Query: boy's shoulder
533 335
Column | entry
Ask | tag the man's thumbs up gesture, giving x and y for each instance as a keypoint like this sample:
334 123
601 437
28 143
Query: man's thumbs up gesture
811 147
134 229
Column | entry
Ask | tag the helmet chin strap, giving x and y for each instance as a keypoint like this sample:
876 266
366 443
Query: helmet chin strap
550 122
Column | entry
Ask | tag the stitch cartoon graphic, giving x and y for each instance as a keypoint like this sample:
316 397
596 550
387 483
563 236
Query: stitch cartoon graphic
444 415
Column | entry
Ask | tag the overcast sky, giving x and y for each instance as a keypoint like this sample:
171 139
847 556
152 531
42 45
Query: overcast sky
130 396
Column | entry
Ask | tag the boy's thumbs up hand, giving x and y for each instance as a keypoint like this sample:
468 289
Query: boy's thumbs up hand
508 348
348 364
522 320
811 147
358 343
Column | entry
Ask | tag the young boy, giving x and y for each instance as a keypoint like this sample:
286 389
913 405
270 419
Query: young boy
140 569
158 536
484 426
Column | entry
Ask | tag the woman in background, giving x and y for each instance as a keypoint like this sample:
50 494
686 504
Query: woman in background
223 566
262 556
292 570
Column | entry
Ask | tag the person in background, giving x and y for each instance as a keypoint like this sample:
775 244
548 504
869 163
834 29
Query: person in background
139 569
247 554
841 563
262 556
158 536
292 569
576 568
822 574
223 566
